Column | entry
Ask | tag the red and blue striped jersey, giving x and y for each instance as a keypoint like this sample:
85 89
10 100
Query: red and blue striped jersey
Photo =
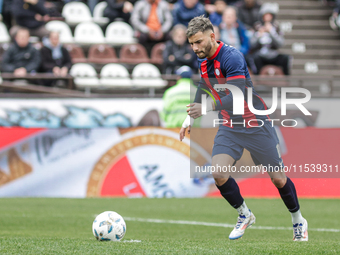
228 65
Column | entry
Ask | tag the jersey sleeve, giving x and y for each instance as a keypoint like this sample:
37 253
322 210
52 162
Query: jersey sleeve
234 65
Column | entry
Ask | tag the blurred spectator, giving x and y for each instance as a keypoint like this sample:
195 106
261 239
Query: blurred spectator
233 31
209 6
217 33
185 10
216 17
177 51
231 2
177 97
248 12
5 6
118 9
21 57
152 21
30 14
54 8
90 3
334 20
54 58
267 40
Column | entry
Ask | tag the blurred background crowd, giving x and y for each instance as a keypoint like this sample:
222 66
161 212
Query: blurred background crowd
38 36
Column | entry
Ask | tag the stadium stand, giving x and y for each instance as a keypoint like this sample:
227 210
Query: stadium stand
98 14
157 54
87 33
156 29
102 54
147 76
115 75
76 53
134 54
272 71
4 36
177 51
118 9
308 37
85 75
63 29
76 12
119 33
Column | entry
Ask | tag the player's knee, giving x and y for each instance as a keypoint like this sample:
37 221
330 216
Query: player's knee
279 182
220 181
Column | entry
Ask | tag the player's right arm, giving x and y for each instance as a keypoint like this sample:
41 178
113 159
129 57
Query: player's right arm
196 105
200 91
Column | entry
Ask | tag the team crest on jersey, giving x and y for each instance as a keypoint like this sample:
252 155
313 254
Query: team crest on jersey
217 72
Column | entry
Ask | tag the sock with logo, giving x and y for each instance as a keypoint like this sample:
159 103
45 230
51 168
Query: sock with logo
243 210
289 197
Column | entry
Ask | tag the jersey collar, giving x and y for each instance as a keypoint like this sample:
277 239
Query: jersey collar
217 51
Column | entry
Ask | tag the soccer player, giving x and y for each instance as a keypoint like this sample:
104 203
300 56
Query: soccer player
219 64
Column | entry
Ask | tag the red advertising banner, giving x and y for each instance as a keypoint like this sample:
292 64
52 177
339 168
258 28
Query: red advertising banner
151 162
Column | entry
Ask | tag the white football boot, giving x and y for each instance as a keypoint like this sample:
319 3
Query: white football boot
242 224
300 232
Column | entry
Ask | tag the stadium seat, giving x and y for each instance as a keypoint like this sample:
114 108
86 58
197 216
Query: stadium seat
76 53
3 48
63 29
98 14
157 53
88 33
146 75
4 35
115 75
134 54
271 71
76 12
84 75
119 33
102 54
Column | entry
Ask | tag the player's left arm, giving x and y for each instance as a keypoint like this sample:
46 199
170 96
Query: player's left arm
235 75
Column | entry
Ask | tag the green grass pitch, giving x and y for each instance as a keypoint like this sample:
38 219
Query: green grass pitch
63 226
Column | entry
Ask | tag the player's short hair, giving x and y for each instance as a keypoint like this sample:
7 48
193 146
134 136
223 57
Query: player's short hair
199 24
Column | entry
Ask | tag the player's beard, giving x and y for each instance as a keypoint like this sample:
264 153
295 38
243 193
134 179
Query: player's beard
206 51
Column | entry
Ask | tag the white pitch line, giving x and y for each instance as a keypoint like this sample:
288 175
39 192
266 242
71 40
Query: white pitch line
211 224
131 241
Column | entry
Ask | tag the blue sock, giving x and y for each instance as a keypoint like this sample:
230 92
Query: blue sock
289 197
231 192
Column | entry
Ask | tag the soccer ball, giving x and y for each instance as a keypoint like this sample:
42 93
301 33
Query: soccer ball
109 226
